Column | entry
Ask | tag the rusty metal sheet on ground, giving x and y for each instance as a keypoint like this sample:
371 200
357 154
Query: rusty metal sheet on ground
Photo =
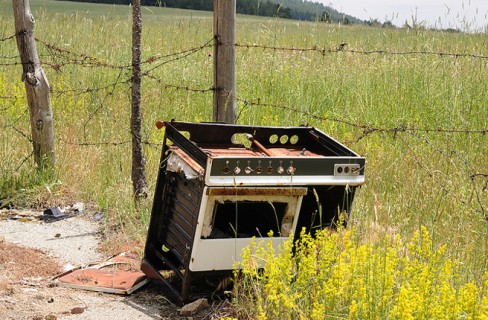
120 274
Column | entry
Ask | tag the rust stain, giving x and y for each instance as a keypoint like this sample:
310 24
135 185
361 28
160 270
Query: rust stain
256 191
120 274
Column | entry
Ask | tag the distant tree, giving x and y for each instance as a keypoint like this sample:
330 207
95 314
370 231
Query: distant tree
374 23
291 9
388 24
325 17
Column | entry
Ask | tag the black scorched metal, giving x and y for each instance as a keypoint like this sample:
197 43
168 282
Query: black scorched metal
220 185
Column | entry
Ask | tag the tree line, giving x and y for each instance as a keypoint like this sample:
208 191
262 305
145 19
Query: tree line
288 9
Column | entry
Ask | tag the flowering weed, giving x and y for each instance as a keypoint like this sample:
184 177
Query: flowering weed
335 275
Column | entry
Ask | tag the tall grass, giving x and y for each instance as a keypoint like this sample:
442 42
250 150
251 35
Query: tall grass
413 179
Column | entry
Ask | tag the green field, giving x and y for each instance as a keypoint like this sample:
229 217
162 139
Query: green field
434 175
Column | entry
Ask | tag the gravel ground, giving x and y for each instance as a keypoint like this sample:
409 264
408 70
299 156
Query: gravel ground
72 241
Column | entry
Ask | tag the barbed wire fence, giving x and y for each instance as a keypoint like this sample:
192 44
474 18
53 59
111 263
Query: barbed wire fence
58 58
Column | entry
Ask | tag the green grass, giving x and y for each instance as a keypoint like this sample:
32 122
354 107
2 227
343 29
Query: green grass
412 179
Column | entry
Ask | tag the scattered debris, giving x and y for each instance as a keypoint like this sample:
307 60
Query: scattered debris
77 310
120 274
21 215
194 307
4 204
53 214
97 216
78 207
7 212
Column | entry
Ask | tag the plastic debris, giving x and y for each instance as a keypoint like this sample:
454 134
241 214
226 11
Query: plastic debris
53 214
78 207
97 216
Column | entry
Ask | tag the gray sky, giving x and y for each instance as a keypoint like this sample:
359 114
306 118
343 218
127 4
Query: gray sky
462 14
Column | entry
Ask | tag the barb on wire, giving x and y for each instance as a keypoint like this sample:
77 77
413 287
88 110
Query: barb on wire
181 55
323 51
16 120
10 64
342 48
173 86
10 57
106 143
10 97
367 129
109 93
24 160
22 133
153 59
7 38
80 58
288 108
475 175
88 144
89 90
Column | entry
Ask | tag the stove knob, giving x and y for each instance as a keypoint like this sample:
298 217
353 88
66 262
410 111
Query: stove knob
280 170
237 170
291 170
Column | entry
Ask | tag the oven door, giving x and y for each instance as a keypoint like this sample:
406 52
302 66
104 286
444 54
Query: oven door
230 217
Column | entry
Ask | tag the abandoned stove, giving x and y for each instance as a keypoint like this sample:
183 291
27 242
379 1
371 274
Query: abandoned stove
220 185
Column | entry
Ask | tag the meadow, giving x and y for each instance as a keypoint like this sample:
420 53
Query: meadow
414 102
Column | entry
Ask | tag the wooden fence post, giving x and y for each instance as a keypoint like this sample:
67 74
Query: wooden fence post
139 181
224 108
36 87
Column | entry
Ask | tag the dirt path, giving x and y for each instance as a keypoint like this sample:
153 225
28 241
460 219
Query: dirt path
32 252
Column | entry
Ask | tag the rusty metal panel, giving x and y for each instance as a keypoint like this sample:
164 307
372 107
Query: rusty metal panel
220 185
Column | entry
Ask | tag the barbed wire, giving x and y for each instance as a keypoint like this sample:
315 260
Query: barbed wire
63 57
178 56
367 128
24 161
10 57
92 89
174 86
109 93
343 48
11 97
152 59
107 143
449 155
82 59
7 38
446 190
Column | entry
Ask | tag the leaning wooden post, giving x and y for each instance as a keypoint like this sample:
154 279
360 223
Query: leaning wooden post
224 109
139 181
36 86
